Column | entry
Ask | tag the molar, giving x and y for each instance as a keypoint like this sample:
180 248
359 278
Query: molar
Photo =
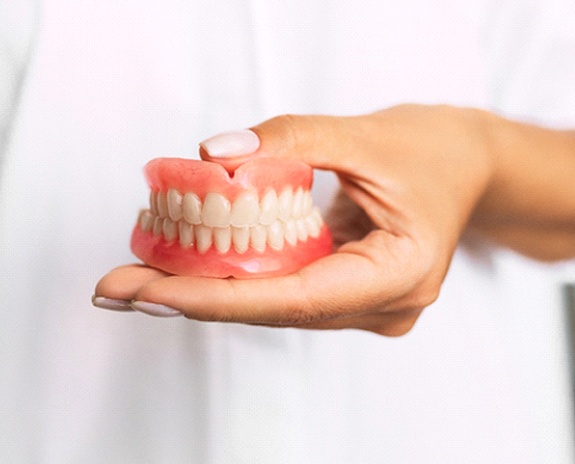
154 202
146 220
216 210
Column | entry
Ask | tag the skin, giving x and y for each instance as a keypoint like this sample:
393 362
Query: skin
414 179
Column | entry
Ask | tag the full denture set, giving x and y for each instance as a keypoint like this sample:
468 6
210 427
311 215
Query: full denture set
258 222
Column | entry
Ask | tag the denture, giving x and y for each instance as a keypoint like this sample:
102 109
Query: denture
258 221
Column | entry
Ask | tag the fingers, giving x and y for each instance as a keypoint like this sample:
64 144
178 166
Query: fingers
324 142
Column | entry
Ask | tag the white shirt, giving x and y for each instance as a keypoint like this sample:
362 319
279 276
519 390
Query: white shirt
482 378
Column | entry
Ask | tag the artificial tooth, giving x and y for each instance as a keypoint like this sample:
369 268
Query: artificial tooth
216 210
154 202
245 210
301 230
291 232
203 236
162 204
170 229
223 238
275 232
186 232
314 223
307 204
241 238
258 237
285 204
146 220
192 208
297 207
158 226
269 208
175 200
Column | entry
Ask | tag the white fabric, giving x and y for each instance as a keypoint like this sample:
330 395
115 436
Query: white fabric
482 378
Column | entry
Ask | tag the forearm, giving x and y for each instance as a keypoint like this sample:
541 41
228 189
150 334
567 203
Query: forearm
529 204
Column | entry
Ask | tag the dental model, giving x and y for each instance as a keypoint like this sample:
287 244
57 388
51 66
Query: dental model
257 222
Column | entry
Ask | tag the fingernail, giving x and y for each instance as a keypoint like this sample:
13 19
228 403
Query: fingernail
109 303
154 309
231 144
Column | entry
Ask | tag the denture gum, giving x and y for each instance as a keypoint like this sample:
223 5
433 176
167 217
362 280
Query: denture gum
259 221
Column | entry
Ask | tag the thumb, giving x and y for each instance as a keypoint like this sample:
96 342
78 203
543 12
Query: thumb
323 142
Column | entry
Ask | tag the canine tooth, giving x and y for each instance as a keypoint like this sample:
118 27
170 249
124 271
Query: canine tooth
245 210
269 208
170 229
175 200
291 232
285 204
146 220
301 230
223 238
192 208
158 225
307 204
241 239
275 234
297 207
203 236
162 204
154 202
216 210
186 234
258 236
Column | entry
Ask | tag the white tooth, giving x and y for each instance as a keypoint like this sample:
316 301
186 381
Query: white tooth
154 202
158 225
203 236
186 234
297 207
192 208
216 210
276 235
307 204
162 204
258 236
170 229
269 208
241 238
223 238
285 204
291 232
314 223
301 230
175 200
245 210
146 220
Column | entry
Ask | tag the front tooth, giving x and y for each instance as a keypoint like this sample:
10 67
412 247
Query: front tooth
146 220
269 208
223 239
162 204
291 232
307 204
154 202
302 231
258 236
241 239
170 229
275 234
245 210
158 225
203 236
186 234
285 204
192 208
216 210
175 200
297 208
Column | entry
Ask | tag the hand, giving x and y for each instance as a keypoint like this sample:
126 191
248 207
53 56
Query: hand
411 177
